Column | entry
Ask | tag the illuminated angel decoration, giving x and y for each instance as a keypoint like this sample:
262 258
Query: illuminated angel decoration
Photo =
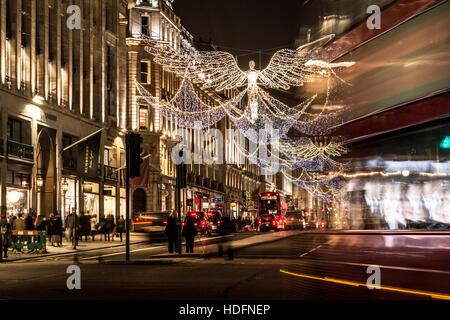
254 108
219 70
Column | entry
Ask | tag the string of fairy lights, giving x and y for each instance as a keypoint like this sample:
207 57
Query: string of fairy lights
254 111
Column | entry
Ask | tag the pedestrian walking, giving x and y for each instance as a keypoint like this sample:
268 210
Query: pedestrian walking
19 223
223 246
6 234
72 226
85 226
56 230
94 227
172 231
120 228
109 226
29 222
189 232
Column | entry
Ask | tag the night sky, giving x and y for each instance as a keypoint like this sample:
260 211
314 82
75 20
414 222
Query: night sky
244 24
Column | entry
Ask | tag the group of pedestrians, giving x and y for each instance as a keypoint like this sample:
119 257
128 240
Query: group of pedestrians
75 227
189 231
81 225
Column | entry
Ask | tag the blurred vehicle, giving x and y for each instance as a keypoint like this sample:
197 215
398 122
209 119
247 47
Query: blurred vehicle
202 223
310 221
150 221
215 221
268 222
294 220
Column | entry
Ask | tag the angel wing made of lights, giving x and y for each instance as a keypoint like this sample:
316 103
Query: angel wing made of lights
219 69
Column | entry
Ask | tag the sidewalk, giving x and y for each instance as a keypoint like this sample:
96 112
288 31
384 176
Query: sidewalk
67 248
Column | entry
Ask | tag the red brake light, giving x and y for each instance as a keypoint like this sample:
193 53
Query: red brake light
274 222
259 222
182 224
193 214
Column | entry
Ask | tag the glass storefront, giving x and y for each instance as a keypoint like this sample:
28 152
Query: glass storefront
123 202
70 196
17 201
109 200
91 199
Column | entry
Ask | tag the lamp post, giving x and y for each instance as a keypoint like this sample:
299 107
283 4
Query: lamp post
65 187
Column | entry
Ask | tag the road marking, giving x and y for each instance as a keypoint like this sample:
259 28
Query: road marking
433 295
318 247
385 267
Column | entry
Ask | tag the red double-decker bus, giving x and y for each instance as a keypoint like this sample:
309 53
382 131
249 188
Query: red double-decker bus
272 203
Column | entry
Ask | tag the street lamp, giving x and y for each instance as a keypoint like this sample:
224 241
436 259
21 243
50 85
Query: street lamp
39 182
65 187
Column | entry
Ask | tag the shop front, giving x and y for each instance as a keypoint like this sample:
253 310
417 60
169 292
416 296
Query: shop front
109 200
18 199
123 202
91 199
69 199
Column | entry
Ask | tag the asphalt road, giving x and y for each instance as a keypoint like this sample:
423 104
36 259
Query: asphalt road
306 266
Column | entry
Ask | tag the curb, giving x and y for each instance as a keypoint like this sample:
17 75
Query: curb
69 253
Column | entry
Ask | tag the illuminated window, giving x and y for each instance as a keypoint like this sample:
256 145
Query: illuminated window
146 77
143 117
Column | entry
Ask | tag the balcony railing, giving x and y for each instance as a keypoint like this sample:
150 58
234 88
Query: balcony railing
20 150
111 173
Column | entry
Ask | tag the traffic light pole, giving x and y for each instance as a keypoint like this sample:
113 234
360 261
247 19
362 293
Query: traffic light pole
127 182
180 248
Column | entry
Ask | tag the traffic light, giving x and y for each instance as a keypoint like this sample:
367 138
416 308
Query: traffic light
134 148
181 173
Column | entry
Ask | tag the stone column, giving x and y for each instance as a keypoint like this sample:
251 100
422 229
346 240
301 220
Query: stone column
4 166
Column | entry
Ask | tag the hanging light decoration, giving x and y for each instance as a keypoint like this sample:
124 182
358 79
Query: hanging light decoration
254 109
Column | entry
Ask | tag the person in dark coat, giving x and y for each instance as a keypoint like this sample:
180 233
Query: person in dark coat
56 230
109 226
6 234
73 226
85 226
29 225
223 246
120 228
102 227
172 232
189 232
